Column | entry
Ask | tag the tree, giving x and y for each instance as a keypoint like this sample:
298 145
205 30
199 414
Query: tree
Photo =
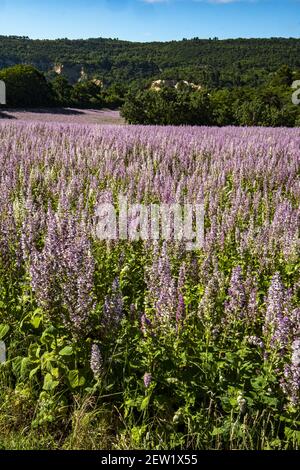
114 95
283 76
87 94
133 110
168 107
26 87
200 108
62 90
222 107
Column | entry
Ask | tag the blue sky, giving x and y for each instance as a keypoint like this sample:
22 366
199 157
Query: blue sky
150 20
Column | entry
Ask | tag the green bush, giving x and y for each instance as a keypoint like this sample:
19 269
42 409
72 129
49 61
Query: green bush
26 87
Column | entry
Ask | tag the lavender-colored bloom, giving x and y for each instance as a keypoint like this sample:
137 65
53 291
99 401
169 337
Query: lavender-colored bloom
291 381
166 294
282 333
145 324
251 290
206 304
296 353
162 287
255 341
62 273
275 302
281 319
236 305
96 362
207 310
252 306
147 379
113 307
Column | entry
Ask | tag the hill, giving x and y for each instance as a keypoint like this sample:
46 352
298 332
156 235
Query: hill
212 62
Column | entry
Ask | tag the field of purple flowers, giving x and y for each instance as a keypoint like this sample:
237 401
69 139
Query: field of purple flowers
118 344
64 115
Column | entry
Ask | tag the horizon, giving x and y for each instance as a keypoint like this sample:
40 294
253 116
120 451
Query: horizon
146 20
269 38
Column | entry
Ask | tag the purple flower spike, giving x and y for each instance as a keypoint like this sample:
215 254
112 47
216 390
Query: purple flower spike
147 379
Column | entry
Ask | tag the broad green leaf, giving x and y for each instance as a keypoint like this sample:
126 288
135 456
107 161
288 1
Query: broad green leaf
47 359
47 336
218 431
145 403
33 372
25 366
54 372
36 321
75 379
16 365
4 329
66 351
49 383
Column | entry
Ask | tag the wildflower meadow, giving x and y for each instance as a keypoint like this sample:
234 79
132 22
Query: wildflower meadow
142 343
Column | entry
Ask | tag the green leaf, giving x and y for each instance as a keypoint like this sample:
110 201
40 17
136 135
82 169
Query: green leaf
75 379
34 372
16 365
66 351
25 365
36 321
4 329
47 336
172 380
49 383
54 372
130 403
217 431
145 403
292 434
47 359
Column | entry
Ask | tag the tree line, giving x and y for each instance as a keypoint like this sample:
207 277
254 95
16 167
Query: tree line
213 63
269 104
28 87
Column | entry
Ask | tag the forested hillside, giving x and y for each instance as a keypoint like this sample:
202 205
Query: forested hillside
243 82
211 62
